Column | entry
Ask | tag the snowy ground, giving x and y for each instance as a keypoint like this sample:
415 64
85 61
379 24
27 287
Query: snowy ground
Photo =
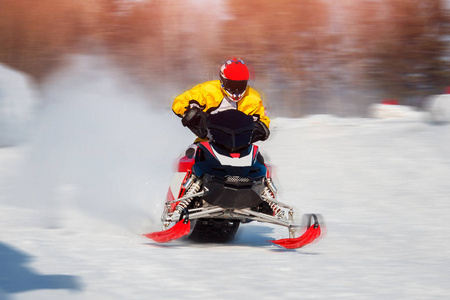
74 201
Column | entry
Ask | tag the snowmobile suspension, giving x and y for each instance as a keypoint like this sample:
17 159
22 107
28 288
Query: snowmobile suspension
268 194
193 185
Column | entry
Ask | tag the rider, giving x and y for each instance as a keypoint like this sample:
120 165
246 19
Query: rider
231 91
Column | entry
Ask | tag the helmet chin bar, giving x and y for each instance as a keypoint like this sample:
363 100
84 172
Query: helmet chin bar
233 89
234 97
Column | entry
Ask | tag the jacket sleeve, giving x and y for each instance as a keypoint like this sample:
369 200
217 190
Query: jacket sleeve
261 112
254 106
192 96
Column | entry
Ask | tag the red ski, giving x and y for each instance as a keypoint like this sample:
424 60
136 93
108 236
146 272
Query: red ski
310 235
177 231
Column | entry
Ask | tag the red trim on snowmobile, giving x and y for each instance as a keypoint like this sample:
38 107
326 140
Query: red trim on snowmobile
182 190
185 164
255 151
180 229
208 147
269 171
235 155
170 197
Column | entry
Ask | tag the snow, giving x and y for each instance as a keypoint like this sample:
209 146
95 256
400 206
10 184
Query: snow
389 111
438 108
19 100
75 199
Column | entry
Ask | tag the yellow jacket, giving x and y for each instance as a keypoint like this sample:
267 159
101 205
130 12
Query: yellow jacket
209 96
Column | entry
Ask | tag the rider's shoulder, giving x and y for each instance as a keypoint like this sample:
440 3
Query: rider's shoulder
251 96
252 92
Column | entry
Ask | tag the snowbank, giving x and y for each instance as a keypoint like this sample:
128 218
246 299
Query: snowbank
18 101
438 108
389 111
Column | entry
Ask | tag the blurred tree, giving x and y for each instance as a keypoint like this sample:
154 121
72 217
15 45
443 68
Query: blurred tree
287 43
33 36
305 53
161 41
406 47
133 34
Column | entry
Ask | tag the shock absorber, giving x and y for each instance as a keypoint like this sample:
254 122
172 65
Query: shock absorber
192 185
268 194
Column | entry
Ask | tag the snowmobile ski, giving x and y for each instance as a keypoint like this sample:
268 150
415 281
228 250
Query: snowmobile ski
180 229
312 233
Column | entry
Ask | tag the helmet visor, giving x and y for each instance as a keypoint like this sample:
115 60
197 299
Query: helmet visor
234 87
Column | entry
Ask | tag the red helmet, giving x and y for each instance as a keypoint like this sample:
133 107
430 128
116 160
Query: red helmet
234 77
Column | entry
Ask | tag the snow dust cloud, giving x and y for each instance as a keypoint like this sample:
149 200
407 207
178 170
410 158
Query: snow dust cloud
101 153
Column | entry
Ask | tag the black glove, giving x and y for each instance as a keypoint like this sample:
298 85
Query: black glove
195 120
261 132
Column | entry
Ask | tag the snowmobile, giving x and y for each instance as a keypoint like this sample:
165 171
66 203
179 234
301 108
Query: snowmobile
224 182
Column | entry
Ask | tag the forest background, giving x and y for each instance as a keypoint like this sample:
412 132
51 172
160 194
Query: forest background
306 56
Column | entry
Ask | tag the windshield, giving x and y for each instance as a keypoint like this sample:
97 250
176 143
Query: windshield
231 129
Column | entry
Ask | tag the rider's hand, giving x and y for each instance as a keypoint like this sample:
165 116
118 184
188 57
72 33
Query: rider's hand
195 120
261 132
